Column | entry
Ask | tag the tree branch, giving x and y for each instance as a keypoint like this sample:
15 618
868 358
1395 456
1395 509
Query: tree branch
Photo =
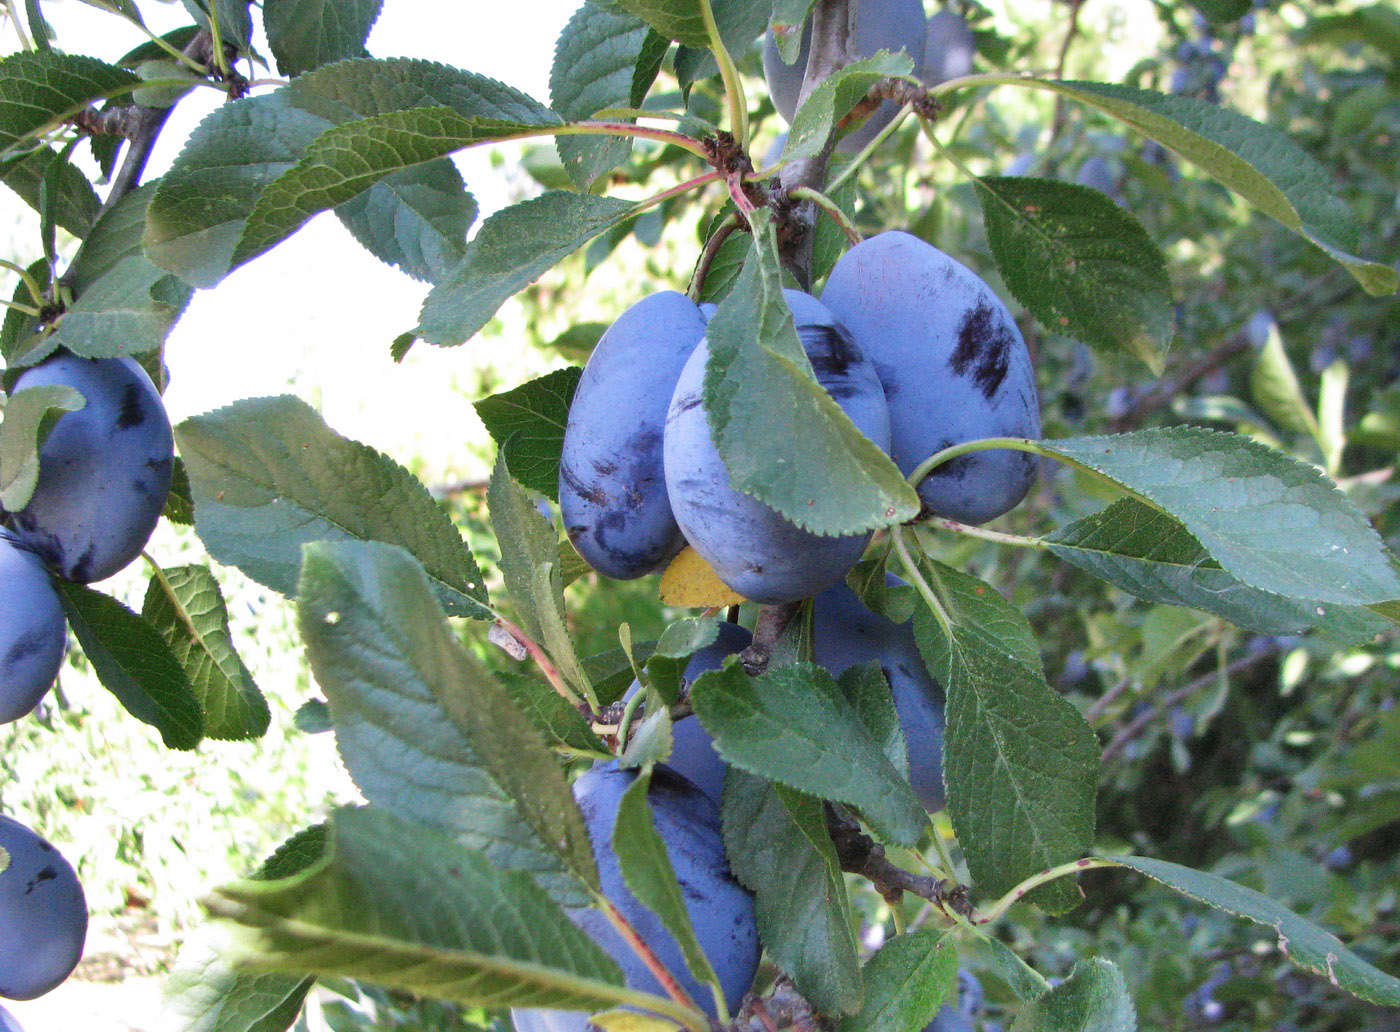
862 855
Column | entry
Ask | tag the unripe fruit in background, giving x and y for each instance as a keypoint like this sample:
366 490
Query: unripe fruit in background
753 549
844 634
720 909
104 471
953 364
32 631
949 49
880 25
693 753
43 915
612 491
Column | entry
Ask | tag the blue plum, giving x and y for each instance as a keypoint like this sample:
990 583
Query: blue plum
8 1022
43 915
104 471
692 749
953 364
846 633
949 49
962 1015
612 491
720 909
32 631
749 545
880 25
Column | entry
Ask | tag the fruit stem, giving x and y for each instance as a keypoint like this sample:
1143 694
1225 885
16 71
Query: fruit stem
697 1020
916 577
28 310
542 660
24 40
1002 905
826 204
733 85
624 726
953 451
945 859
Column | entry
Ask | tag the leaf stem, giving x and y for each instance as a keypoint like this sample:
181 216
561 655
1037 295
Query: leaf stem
945 858
24 40
1018 540
1002 905
729 74
31 284
542 660
690 1015
916 577
675 191
28 310
624 726
164 44
707 256
159 575
826 204
869 149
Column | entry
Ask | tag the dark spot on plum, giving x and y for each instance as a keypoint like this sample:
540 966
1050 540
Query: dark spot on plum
25 645
48 874
985 345
831 349
81 570
588 492
132 413
605 468
684 405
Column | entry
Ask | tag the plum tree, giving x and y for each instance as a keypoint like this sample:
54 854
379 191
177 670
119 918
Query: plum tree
692 749
720 909
612 490
754 550
954 366
43 914
104 471
32 631
880 25
846 633
949 48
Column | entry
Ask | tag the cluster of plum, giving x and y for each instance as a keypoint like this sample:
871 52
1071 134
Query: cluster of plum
104 473
921 355
915 348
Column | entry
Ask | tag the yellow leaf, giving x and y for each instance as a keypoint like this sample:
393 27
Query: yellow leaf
690 582
631 1021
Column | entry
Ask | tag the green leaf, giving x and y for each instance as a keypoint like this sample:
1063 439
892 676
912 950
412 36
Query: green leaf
1275 523
530 568
305 34
834 97
1083 266
415 219
203 205
75 204
985 952
513 248
1094 998
1261 164
759 388
905 984
349 159
779 848
868 691
785 24
646 868
1273 384
439 920
41 89
1303 942
1143 551
423 727
532 418
595 61
133 662
561 724
268 476
1376 24
29 417
185 605
728 263
1020 762
793 725
179 506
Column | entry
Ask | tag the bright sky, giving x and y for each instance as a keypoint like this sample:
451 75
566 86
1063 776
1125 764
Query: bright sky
317 314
